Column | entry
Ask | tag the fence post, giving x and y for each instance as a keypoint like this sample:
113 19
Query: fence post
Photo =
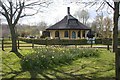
3 43
91 42
18 44
32 43
108 48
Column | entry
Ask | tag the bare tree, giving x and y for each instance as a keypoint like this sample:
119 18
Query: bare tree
108 27
103 26
100 25
107 32
82 16
94 28
42 26
13 10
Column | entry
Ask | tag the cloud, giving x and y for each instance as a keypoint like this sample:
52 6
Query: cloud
58 9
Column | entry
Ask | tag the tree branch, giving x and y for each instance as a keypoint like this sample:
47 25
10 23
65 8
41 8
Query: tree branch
11 11
5 13
102 4
109 5
29 14
35 3
2 13
19 13
14 10
93 4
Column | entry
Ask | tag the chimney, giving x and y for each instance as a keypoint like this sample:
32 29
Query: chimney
68 9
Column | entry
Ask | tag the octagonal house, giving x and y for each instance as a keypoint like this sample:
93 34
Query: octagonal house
68 28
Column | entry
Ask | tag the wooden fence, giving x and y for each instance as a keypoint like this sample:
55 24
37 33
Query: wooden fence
31 43
7 43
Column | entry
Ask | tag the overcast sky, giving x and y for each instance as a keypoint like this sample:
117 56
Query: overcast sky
58 9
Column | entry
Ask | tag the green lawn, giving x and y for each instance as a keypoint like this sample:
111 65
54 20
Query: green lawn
81 68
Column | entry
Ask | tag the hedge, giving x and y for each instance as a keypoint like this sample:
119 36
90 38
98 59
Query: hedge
67 42
55 41
105 41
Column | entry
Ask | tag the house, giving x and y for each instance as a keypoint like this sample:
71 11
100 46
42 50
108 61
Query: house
68 28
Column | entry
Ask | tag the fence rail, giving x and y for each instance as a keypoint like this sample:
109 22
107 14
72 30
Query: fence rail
31 43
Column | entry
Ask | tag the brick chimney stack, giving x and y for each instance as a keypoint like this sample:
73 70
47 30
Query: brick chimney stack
68 9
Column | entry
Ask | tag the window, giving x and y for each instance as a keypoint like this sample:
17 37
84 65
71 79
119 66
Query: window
74 34
66 34
79 34
83 34
56 33
72 22
48 34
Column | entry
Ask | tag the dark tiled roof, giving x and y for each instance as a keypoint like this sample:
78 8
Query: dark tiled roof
68 23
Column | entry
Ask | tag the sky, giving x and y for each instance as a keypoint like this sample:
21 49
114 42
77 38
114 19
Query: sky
57 10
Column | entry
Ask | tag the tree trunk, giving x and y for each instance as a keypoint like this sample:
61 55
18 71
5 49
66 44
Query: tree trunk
14 39
14 42
115 29
115 40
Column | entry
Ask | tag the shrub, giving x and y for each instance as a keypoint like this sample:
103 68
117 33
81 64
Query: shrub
55 41
98 41
104 41
48 57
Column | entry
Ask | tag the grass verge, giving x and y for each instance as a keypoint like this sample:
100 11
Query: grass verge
60 63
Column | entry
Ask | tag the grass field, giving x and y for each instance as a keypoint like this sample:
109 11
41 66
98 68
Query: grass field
80 68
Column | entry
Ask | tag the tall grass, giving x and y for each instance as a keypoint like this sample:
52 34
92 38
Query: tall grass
41 59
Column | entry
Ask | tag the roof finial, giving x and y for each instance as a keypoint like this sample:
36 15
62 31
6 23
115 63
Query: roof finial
68 8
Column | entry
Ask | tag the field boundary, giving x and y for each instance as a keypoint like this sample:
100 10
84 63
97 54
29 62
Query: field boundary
33 43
